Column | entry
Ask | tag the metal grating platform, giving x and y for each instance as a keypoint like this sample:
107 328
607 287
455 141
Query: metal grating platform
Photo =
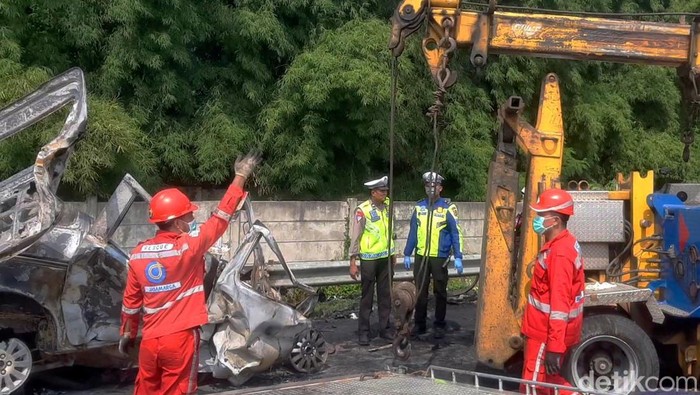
440 380
392 384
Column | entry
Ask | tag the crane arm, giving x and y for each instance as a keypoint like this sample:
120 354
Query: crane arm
505 264
558 36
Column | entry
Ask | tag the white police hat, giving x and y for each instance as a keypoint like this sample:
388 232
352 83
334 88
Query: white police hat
380 183
431 177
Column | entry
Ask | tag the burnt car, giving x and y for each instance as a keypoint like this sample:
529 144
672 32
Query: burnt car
62 275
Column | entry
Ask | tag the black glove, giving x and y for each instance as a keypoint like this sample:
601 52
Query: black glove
125 343
552 362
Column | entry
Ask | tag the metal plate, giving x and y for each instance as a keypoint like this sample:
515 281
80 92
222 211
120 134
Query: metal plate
670 310
619 293
657 314
596 256
589 195
599 221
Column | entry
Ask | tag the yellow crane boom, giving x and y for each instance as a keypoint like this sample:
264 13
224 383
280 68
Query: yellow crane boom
503 283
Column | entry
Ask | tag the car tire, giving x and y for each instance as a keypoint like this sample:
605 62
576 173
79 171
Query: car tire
15 365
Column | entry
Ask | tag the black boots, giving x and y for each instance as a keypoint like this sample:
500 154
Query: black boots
364 339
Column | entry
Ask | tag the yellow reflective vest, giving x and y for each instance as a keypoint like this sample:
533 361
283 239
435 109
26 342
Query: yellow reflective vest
373 242
445 234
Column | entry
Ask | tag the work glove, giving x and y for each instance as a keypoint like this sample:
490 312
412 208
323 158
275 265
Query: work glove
552 362
458 265
407 262
245 166
125 343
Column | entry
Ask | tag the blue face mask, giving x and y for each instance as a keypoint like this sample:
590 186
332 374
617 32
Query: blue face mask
538 225
194 228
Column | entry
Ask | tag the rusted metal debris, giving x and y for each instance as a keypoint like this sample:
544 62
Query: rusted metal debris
404 302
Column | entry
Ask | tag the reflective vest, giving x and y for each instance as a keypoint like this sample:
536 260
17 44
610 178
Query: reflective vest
445 233
373 242
165 276
554 310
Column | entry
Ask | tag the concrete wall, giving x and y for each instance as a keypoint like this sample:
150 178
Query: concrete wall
304 230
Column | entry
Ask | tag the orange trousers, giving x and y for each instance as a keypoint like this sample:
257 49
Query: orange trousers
168 364
534 370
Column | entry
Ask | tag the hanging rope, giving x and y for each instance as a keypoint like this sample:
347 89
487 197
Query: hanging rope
392 121
443 76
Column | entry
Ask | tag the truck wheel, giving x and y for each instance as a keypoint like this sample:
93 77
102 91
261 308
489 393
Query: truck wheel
613 355
15 365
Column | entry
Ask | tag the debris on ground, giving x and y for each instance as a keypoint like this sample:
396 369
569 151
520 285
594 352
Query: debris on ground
347 358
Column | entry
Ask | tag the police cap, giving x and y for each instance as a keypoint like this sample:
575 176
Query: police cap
432 177
380 183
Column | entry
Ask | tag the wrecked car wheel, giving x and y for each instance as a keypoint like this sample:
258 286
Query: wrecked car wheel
15 365
309 352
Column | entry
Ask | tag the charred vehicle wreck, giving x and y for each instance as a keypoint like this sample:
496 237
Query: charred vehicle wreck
62 275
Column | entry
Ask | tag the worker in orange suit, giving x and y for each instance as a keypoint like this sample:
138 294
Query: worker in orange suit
554 312
165 282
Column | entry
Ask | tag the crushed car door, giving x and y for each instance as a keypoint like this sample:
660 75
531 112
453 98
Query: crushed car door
28 202
94 285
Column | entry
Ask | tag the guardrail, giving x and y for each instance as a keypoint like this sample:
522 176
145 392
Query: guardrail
323 273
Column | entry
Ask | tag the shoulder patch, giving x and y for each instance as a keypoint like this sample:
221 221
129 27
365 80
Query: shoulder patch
359 215
453 209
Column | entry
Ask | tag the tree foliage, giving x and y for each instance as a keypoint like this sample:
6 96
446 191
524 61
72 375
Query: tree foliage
178 89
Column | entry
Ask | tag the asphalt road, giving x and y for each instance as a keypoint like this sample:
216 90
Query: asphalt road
454 351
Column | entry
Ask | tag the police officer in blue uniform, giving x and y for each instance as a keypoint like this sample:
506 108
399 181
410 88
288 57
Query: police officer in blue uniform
434 235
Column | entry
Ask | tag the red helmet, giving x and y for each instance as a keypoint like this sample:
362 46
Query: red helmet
169 204
557 200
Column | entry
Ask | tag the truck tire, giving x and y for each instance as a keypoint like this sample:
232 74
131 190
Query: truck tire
613 355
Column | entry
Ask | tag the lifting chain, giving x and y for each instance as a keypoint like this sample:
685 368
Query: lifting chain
449 44
689 136
690 108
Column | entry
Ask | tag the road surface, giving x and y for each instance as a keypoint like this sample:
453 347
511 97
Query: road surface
454 351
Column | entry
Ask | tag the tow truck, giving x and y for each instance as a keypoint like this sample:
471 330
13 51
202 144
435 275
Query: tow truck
640 245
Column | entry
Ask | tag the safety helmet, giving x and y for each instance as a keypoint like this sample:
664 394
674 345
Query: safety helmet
557 200
169 204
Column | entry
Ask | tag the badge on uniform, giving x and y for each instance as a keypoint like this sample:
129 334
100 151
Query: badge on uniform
374 216
155 272
440 210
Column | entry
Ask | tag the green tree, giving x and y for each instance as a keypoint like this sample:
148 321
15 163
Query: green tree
328 127
114 140
178 89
